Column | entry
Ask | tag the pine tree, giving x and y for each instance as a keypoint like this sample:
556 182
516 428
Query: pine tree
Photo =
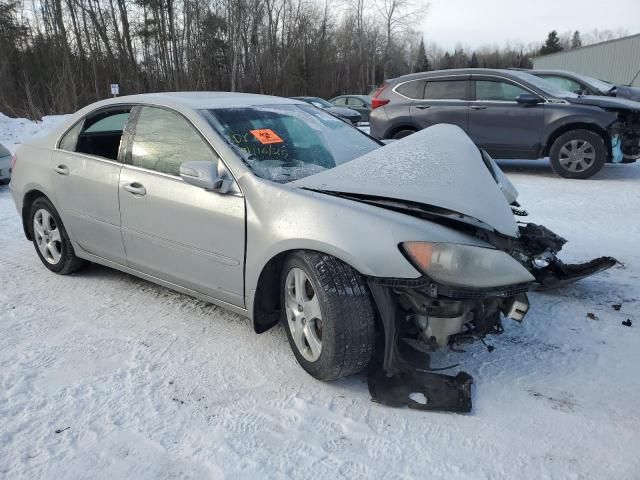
576 40
473 63
422 61
552 45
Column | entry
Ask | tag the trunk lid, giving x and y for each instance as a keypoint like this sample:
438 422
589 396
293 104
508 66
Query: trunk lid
439 166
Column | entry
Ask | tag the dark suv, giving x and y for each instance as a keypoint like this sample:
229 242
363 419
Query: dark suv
512 114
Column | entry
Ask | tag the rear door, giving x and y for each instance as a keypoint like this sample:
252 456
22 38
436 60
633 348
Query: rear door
174 231
499 124
441 100
85 172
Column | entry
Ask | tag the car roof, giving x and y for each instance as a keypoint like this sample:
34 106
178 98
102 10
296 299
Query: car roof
202 100
454 72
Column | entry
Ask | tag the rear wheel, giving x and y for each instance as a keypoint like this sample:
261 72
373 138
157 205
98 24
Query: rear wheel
329 315
403 133
578 154
51 240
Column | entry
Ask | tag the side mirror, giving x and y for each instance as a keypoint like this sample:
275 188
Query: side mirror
204 174
528 99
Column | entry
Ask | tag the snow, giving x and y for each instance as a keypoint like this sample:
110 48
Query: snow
14 131
142 382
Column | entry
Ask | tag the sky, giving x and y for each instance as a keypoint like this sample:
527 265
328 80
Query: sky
475 23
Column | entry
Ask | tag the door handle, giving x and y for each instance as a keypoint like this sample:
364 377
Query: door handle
479 107
423 107
62 170
136 188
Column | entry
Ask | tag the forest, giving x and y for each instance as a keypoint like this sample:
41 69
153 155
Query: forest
57 56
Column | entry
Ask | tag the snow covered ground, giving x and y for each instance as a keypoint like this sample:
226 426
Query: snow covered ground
104 376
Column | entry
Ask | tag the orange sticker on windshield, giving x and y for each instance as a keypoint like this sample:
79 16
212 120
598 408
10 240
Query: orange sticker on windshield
266 136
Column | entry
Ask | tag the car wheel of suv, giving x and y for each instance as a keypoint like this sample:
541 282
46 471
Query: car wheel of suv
329 315
578 154
51 240
403 133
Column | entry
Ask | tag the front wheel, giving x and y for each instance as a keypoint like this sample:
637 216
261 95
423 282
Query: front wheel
329 315
578 154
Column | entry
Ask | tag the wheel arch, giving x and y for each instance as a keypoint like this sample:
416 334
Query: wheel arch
397 128
561 130
264 300
27 201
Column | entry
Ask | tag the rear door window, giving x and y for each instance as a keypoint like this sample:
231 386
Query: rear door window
340 102
446 90
355 102
100 134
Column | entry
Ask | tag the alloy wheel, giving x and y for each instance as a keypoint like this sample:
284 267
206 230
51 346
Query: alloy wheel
47 236
577 155
303 314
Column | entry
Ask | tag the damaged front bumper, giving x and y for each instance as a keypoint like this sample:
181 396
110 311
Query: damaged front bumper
420 316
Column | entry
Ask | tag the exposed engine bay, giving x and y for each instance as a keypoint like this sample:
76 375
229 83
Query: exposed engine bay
422 316
627 129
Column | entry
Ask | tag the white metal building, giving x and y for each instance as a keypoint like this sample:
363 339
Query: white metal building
616 61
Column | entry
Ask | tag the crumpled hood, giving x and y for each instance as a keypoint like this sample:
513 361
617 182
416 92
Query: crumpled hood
605 102
631 93
438 166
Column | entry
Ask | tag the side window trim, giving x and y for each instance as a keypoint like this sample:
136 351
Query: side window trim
82 121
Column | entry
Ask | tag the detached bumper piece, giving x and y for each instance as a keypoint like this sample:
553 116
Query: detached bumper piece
400 374
440 392
559 274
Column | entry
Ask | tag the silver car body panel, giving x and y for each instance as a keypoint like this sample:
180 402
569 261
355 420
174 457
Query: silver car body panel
193 241
455 176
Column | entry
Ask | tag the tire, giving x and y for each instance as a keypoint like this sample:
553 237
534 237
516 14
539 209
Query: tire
58 256
403 133
590 154
347 326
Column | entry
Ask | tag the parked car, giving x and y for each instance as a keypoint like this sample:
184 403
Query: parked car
512 114
360 103
5 165
346 113
280 211
586 85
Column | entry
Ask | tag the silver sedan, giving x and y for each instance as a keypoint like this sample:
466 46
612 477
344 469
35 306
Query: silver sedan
281 212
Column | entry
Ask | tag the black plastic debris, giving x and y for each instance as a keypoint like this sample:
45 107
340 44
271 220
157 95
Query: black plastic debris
592 316
616 306
60 430
627 322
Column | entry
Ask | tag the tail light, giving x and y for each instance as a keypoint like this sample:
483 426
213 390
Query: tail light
379 102
14 157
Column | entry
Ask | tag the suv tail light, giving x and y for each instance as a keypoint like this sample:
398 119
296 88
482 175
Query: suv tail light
379 102
14 157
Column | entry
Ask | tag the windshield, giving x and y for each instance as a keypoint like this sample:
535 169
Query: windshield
318 102
283 143
542 85
601 85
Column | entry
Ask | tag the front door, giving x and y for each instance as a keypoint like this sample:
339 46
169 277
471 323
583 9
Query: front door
85 169
174 231
500 125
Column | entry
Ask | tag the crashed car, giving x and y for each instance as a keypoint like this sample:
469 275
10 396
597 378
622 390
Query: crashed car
370 255
586 85
512 114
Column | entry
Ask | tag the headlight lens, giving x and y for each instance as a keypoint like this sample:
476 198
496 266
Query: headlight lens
465 265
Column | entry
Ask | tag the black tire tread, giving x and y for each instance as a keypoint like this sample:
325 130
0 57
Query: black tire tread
349 305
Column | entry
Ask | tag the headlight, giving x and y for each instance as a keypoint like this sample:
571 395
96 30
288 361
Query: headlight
466 266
